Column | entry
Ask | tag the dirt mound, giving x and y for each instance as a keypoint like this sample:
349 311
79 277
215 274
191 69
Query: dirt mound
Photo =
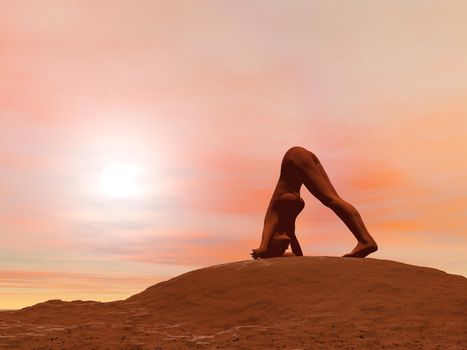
279 303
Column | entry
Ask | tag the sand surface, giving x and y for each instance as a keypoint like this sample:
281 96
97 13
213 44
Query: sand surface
280 303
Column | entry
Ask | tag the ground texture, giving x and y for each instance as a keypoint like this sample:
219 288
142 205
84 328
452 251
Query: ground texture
281 303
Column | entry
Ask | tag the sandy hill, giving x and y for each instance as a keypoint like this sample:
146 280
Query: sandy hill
279 303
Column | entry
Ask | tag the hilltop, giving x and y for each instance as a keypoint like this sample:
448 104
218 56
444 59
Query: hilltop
279 303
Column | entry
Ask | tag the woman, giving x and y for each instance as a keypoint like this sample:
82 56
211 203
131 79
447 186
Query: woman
300 166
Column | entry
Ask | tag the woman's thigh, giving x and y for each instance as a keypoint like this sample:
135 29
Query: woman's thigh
314 176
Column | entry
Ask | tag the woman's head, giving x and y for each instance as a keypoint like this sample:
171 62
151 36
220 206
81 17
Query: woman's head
277 247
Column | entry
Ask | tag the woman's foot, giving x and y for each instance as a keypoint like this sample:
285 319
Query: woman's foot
362 249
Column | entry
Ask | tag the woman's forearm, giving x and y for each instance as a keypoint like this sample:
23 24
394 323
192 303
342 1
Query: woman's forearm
270 223
271 219
295 246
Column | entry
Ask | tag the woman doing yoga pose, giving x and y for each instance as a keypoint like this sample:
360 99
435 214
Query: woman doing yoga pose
300 166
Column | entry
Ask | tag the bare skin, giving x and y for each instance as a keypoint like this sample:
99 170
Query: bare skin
300 166
287 206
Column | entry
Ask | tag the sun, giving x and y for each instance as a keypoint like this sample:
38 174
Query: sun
118 180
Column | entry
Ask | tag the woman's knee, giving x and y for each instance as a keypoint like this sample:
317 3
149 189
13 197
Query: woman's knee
333 202
338 205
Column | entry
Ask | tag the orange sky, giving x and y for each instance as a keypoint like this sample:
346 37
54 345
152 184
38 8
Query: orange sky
206 97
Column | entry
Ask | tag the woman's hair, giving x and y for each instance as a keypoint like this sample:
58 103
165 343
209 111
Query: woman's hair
277 248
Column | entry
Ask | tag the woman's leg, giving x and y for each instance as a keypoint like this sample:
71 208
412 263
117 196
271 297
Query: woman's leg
317 182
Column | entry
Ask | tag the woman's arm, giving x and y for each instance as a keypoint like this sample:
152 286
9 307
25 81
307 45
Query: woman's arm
296 249
270 223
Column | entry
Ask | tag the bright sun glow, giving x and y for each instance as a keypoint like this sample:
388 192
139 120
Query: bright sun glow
118 180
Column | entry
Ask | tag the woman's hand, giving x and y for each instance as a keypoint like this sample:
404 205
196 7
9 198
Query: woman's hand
259 253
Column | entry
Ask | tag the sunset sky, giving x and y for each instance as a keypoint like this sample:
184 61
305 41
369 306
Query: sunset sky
203 98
